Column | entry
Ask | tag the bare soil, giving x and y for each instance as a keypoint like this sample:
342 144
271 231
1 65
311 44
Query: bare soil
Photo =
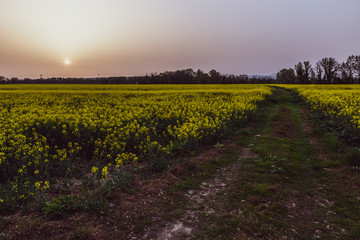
205 200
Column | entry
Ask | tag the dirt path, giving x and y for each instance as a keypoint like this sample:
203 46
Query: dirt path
283 185
204 201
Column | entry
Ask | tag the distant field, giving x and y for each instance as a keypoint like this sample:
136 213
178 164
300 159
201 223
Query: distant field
52 131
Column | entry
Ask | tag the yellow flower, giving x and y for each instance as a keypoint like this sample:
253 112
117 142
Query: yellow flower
46 185
37 185
105 172
123 122
94 170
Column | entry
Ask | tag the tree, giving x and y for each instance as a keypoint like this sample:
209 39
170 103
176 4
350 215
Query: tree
350 70
319 72
215 76
201 77
347 72
286 76
3 79
299 70
308 71
313 79
329 67
303 72
355 65
184 76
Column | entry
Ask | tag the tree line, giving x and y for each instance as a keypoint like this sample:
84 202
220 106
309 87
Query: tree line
326 71
184 76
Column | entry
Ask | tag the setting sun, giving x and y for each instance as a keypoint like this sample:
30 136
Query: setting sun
67 61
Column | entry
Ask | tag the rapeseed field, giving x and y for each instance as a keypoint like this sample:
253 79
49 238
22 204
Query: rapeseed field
53 132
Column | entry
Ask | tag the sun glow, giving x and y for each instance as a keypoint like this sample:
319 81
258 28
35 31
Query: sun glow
67 62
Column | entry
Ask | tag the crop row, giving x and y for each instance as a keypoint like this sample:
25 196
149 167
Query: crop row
339 101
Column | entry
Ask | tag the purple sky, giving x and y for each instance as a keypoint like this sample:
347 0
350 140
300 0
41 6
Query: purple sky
135 37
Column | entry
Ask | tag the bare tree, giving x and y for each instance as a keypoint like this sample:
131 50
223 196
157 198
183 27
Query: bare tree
303 72
299 70
307 71
319 72
348 69
355 62
330 67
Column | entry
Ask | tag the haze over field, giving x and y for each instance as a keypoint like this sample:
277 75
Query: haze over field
85 38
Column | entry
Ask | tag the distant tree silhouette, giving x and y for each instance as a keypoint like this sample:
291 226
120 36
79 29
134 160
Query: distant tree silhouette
348 70
286 76
326 70
308 71
304 72
354 62
3 79
201 77
319 73
300 72
214 76
330 68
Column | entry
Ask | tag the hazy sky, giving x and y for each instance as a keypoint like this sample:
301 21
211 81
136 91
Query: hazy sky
135 37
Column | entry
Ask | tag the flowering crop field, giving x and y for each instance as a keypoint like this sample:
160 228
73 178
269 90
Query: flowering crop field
55 131
336 101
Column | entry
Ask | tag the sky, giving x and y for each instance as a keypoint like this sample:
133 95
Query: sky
89 38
